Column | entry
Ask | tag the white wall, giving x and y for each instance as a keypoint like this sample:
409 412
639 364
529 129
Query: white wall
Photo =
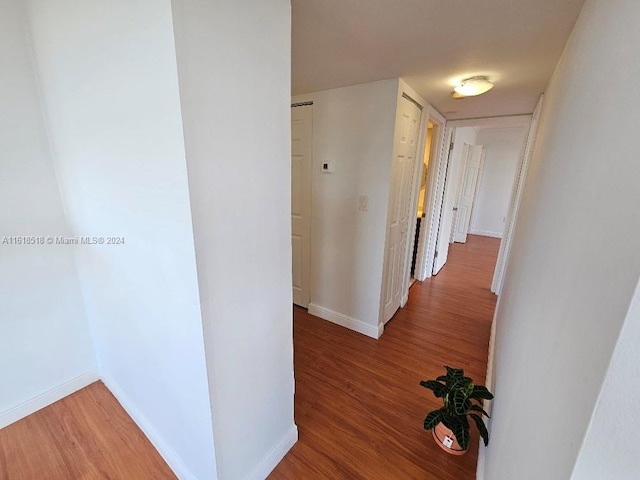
44 336
610 448
352 127
234 70
110 86
575 262
503 155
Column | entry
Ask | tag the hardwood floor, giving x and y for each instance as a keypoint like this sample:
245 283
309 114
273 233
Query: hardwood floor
85 436
359 405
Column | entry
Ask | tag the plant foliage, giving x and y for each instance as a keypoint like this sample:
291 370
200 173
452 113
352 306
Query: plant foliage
458 394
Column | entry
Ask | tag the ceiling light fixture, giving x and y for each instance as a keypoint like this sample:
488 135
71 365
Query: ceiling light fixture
472 86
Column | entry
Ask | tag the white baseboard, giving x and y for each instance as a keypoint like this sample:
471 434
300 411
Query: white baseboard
170 456
489 382
482 451
346 321
47 398
486 233
273 456
405 299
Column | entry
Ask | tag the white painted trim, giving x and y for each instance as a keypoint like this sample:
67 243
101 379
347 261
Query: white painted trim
305 97
47 398
414 198
489 382
474 210
516 198
486 233
168 454
435 191
480 469
405 298
273 456
511 121
346 321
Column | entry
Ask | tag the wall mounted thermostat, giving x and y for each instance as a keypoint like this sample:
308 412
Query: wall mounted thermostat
328 167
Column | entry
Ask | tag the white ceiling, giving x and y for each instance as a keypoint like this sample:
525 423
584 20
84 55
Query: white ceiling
431 44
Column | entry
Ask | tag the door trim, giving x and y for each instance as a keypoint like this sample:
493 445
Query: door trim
435 195
435 190
516 198
437 147
306 246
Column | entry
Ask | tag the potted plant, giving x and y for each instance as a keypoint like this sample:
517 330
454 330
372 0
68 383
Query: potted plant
450 423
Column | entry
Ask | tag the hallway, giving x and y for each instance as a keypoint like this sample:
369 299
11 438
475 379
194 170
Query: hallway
359 406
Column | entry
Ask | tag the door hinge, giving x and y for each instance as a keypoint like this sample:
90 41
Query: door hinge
451 146
436 255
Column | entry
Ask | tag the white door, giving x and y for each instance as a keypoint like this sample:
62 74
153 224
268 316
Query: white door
405 146
301 131
470 177
446 217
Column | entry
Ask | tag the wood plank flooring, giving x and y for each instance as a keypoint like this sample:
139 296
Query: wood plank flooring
85 436
359 406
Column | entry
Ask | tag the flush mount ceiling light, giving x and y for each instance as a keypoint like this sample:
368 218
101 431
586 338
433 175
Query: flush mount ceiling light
471 87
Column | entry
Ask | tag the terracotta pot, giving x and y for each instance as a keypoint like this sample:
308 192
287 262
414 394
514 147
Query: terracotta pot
443 436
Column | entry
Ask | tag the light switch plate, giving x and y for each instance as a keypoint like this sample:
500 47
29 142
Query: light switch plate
363 203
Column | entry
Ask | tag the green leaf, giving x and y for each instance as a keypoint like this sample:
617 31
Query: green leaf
481 428
432 419
481 392
461 430
460 382
439 390
454 372
468 390
477 408
442 378
460 402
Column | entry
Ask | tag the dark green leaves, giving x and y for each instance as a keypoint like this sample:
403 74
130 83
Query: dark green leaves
481 428
477 408
461 430
432 419
454 372
439 390
460 402
458 392
481 393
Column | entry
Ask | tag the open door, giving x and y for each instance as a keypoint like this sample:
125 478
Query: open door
301 131
445 221
474 157
400 212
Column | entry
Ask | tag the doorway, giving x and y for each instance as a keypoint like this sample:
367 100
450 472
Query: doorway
480 172
421 207
426 188
400 218
301 132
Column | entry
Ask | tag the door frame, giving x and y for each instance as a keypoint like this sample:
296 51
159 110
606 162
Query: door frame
434 176
476 193
298 101
483 155
306 106
428 113
435 195
404 90
516 198
437 186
